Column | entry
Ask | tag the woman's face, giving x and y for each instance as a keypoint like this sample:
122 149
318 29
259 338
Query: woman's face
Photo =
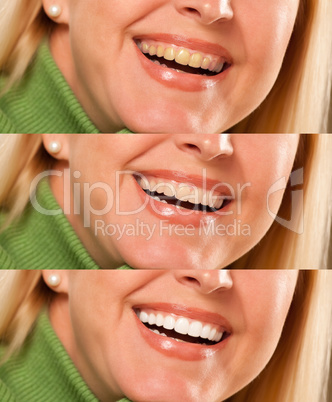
102 47
139 198
96 318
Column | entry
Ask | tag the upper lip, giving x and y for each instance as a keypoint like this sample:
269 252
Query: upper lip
189 312
196 180
189 43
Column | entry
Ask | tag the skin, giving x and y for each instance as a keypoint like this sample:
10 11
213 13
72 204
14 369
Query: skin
249 164
104 69
92 313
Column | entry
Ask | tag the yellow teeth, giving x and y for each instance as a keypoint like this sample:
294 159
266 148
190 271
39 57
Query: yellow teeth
169 54
184 57
196 60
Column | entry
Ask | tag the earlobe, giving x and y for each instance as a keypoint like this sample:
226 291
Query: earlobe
56 10
56 280
57 145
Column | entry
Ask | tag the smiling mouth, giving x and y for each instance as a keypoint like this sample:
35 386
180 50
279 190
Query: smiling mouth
183 60
182 329
182 195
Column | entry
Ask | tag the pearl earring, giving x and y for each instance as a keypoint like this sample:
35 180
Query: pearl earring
54 280
54 10
54 147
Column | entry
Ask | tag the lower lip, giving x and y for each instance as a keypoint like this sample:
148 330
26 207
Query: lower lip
175 215
180 350
173 79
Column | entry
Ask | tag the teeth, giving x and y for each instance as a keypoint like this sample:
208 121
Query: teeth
181 191
182 57
196 60
159 320
195 329
185 57
160 51
169 322
181 325
152 50
152 319
169 54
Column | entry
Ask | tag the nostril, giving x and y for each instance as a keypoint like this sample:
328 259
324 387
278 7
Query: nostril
192 11
191 280
192 147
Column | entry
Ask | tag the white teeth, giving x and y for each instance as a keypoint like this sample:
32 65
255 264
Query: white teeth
158 333
152 319
195 329
182 56
144 317
159 320
212 334
169 322
181 191
181 325
206 331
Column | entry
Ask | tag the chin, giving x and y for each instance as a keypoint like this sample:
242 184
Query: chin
170 390
172 256
173 120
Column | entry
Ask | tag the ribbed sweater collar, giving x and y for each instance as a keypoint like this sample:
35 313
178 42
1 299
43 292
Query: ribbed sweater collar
39 241
43 371
43 102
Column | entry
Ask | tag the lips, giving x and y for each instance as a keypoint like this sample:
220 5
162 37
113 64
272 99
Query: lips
177 331
186 64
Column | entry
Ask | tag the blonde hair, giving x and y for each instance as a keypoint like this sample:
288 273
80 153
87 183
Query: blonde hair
23 157
22 296
298 102
298 370
23 24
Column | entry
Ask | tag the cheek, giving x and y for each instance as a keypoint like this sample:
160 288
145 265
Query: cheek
266 28
110 150
270 159
271 24
270 294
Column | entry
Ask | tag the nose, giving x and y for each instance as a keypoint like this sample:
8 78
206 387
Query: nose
205 281
206 11
206 146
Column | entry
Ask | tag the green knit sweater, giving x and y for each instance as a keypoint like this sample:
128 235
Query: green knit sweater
42 371
43 102
38 241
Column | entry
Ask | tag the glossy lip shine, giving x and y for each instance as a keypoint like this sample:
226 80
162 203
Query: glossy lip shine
182 350
182 216
182 81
